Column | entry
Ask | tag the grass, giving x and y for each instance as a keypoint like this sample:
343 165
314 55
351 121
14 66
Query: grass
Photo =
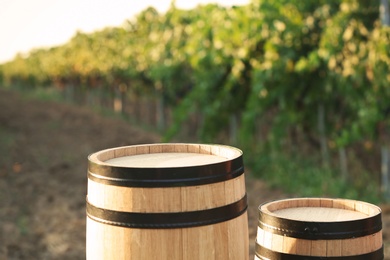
306 178
44 94
7 140
23 225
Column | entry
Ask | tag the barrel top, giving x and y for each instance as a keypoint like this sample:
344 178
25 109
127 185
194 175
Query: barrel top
165 155
160 160
165 165
319 214
320 209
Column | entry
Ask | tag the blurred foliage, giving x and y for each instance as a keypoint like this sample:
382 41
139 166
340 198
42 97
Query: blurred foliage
272 62
303 177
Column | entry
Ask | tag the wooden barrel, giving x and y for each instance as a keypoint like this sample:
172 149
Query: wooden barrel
319 228
167 201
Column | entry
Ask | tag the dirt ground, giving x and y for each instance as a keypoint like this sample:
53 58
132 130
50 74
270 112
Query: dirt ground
43 161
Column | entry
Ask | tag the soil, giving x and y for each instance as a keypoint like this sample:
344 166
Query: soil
43 160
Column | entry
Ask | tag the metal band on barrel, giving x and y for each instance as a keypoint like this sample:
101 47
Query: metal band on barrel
265 253
168 220
320 230
166 177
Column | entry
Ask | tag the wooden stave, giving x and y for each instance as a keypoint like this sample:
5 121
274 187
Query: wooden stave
263 253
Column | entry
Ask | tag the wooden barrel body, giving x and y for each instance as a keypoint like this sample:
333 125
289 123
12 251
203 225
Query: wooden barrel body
167 201
319 228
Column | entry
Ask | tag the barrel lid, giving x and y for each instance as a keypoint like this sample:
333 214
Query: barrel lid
101 170
367 221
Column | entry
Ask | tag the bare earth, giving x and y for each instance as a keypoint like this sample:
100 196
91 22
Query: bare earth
43 161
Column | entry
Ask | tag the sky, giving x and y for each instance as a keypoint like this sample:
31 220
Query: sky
30 24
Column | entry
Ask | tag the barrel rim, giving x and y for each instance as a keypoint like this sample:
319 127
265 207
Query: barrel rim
178 176
94 157
313 230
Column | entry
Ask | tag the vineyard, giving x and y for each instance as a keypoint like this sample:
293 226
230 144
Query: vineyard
301 86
